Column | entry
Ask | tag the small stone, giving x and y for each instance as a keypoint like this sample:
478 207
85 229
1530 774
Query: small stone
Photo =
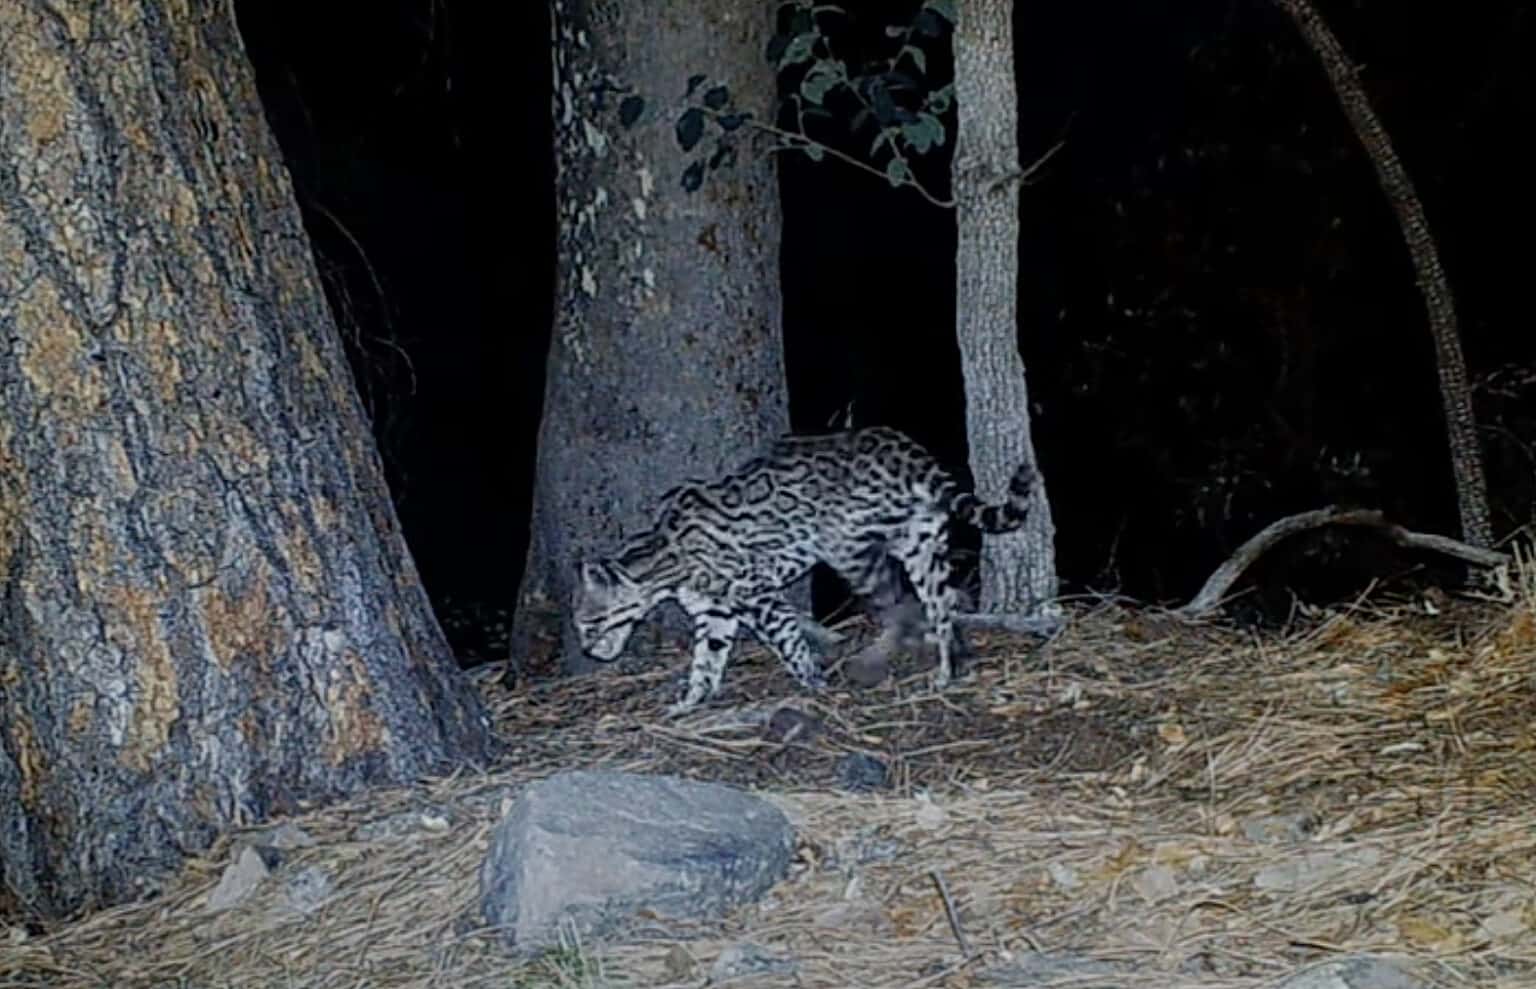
308 890
1156 883
1031 970
242 876
1315 867
858 772
791 725
744 958
1506 924
287 837
929 815
1063 875
1277 829
679 964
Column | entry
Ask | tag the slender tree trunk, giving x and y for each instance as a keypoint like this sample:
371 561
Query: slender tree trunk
207 612
1018 570
1455 395
666 360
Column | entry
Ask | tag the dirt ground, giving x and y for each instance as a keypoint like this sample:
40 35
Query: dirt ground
1181 804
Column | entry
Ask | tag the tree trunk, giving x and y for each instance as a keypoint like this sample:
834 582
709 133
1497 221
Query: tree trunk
207 612
1455 395
666 360
1018 570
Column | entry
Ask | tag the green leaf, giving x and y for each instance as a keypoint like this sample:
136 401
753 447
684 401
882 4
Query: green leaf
694 82
693 177
815 152
916 55
944 8
690 128
896 172
800 48
731 121
924 133
939 100
717 97
777 45
880 101
630 109
820 80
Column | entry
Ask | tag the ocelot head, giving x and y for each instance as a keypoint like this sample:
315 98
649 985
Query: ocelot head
604 608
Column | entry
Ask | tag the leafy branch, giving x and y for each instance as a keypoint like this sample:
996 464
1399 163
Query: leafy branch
907 117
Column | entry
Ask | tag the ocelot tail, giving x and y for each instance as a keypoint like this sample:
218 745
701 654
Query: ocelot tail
865 503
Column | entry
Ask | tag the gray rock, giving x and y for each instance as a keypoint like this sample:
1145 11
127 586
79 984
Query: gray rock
593 848
1364 972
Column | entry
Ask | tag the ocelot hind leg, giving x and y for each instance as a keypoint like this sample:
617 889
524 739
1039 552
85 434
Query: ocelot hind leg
923 551
879 579
775 621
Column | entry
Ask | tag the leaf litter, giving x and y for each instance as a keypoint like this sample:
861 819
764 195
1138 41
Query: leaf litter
1166 802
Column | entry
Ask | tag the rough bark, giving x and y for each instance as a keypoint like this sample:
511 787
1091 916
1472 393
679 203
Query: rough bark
1018 570
1455 394
207 611
666 360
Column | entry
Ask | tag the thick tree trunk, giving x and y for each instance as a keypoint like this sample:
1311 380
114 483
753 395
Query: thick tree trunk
1018 570
207 612
666 360
1455 394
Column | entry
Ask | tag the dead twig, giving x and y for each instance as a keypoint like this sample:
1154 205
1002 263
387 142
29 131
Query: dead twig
949 912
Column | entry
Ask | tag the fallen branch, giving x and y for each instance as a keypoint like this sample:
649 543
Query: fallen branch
1217 585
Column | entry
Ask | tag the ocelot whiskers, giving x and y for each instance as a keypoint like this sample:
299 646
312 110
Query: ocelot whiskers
870 503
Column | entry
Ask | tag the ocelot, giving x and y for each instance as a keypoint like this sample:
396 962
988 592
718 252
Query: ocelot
870 503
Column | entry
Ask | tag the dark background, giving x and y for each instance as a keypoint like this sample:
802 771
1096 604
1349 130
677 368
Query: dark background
1217 309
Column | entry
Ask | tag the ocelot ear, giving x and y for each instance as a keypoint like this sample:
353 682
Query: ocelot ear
594 575
603 575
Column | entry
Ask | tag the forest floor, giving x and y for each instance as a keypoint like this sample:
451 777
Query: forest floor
1184 805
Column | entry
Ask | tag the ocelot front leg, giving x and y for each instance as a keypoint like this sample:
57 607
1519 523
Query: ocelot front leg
714 633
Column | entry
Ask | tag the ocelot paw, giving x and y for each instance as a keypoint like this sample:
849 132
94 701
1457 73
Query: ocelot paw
691 700
814 683
679 708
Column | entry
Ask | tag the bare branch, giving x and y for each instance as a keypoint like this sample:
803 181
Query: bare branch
1217 585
